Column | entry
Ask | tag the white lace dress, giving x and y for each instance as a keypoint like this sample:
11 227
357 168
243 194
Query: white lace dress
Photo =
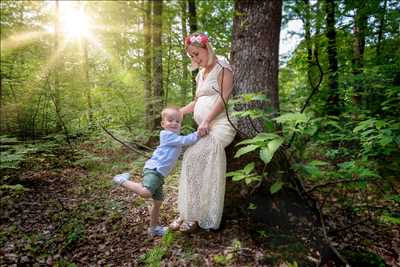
202 180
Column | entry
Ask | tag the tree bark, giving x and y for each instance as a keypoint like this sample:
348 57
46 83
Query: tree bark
185 72
56 70
307 30
255 57
147 67
193 29
87 85
317 32
157 61
360 21
255 47
333 87
381 30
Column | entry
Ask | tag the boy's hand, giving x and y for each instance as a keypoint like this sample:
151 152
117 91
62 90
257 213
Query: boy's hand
203 128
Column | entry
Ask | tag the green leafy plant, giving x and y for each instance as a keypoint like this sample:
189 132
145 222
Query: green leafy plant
267 143
246 174
223 259
311 170
153 257
388 218
73 231
275 187
378 136
11 159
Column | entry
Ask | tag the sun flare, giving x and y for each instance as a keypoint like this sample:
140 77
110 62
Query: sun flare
74 21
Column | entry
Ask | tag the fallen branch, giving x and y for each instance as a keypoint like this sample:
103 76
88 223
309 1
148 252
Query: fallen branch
125 144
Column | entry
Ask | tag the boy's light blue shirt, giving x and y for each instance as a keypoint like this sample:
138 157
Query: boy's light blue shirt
167 153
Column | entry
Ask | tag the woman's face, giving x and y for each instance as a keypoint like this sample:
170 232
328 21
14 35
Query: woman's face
199 55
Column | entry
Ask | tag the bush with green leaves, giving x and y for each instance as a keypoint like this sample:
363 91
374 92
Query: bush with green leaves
378 137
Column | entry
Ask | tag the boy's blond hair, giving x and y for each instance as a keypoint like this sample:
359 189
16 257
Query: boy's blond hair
165 111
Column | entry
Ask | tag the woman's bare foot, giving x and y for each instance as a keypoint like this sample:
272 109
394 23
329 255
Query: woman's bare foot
176 224
188 227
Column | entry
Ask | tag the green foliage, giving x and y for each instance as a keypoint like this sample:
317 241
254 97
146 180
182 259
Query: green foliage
252 206
293 264
88 160
246 174
395 198
353 169
268 143
223 259
311 170
12 159
13 190
73 231
390 219
378 137
231 252
275 187
154 256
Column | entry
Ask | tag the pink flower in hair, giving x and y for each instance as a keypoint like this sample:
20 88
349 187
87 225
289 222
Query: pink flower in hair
199 39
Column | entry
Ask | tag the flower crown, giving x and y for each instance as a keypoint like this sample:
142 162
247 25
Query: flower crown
201 39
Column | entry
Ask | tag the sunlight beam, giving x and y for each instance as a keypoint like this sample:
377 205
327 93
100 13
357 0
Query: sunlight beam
21 39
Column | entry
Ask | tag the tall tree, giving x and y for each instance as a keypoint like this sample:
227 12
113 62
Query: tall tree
255 51
56 71
359 28
307 29
147 66
333 101
185 72
87 83
382 16
157 61
193 28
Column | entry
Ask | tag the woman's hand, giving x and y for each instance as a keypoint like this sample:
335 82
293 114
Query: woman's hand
204 128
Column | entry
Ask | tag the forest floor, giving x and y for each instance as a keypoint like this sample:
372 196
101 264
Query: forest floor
69 213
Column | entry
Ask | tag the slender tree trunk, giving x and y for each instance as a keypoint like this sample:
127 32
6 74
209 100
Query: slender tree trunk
193 29
157 61
166 90
147 67
317 31
185 72
87 84
381 30
360 21
333 86
255 52
307 30
56 72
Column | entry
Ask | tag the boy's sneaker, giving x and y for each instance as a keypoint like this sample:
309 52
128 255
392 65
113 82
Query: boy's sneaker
121 178
157 230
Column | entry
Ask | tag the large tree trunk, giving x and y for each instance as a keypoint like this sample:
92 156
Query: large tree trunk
255 56
333 103
157 61
255 48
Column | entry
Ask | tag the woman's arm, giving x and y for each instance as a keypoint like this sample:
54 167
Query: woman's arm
226 88
188 108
